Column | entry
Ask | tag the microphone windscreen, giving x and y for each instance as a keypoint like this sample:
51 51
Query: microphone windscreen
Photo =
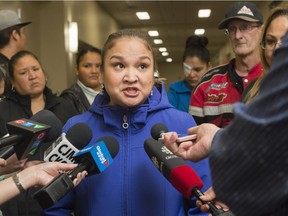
111 144
157 130
184 179
79 135
49 118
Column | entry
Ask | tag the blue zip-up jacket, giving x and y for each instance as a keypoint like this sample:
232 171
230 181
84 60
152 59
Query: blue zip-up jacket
131 185
179 95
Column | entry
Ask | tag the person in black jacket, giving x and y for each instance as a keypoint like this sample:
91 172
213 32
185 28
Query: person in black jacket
28 96
88 85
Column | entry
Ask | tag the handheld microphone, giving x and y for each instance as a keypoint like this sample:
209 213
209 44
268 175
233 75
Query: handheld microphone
64 148
26 134
159 130
94 158
178 173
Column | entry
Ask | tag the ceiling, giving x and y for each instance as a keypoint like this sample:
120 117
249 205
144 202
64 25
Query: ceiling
174 20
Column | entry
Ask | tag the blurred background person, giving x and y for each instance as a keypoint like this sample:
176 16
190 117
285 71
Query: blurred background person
28 96
274 29
196 61
88 84
214 96
12 40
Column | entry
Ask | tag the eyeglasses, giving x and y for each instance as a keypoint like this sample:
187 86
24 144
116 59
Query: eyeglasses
243 29
269 44
187 69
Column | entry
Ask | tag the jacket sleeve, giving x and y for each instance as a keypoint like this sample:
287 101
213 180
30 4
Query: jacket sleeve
249 156
196 105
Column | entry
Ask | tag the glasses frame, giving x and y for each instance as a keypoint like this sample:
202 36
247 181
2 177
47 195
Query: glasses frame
263 46
249 28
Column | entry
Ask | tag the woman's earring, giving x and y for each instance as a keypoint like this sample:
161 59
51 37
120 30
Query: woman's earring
102 89
151 93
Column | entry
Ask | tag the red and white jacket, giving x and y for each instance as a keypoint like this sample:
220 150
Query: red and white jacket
213 98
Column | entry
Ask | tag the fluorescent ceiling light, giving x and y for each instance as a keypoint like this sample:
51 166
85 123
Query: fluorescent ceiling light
143 15
165 53
199 31
169 60
162 49
157 41
203 13
153 33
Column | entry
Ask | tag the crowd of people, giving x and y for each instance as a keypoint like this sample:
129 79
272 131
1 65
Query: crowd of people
236 109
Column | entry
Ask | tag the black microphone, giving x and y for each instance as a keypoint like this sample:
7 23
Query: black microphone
94 158
64 148
26 135
158 131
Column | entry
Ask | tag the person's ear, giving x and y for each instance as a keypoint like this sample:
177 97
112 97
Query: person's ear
15 35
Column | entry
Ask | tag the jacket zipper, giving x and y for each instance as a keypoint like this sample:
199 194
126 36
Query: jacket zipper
125 126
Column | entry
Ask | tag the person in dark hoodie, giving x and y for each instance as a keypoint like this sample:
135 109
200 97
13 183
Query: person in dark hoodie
28 96
127 108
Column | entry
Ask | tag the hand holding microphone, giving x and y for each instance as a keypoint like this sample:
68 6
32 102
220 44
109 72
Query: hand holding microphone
196 150
40 174
209 196
23 145
3 162
175 169
94 158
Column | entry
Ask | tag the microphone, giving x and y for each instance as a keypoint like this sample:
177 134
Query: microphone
182 177
159 130
94 158
174 168
64 148
27 134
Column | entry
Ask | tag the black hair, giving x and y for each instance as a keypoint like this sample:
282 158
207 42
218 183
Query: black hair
15 58
196 46
6 33
82 52
132 33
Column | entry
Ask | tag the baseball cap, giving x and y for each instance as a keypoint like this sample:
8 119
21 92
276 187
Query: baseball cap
9 18
241 10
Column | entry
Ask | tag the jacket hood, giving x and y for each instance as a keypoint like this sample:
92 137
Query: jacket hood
156 101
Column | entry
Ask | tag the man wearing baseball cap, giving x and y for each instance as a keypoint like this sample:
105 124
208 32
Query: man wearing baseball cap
213 98
12 40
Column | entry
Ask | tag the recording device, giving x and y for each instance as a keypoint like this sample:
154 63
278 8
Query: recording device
159 130
64 148
94 158
178 173
25 135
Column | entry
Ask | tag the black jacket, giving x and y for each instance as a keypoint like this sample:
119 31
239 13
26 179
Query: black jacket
15 107
76 96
